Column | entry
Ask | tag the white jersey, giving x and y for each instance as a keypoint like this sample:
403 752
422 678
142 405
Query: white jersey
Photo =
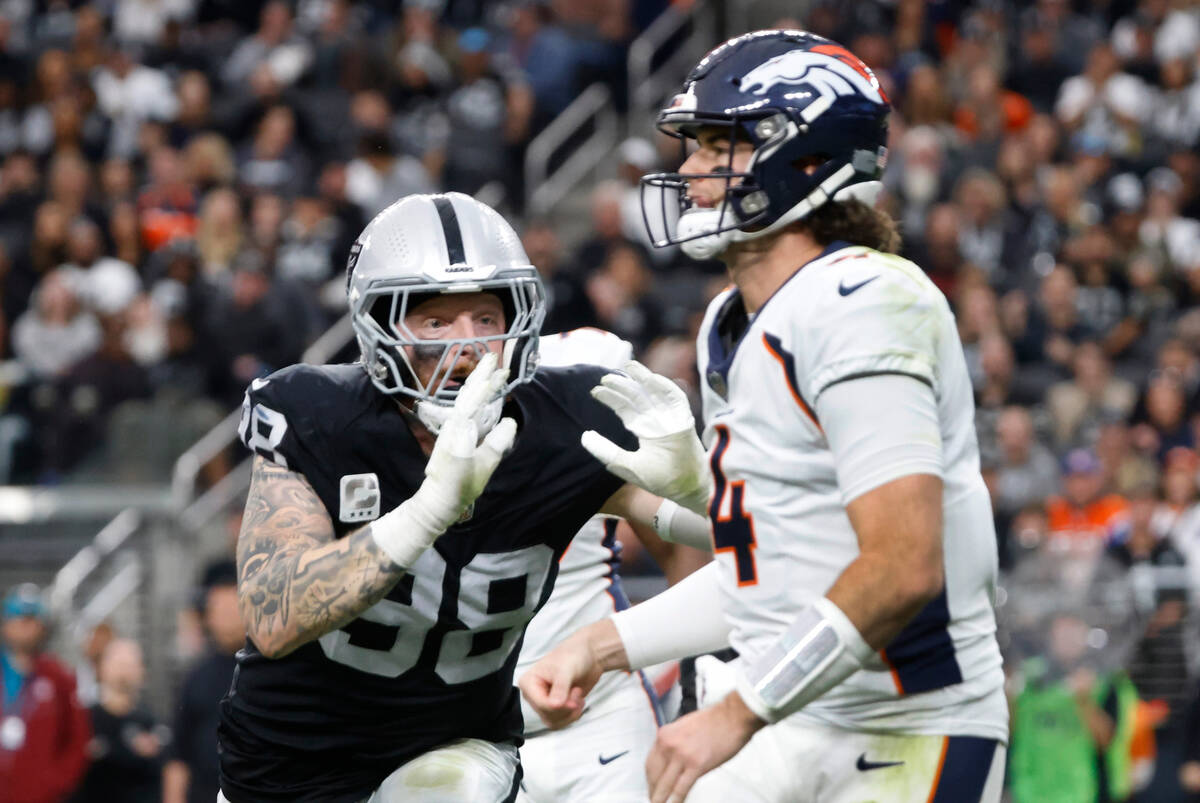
588 587
781 531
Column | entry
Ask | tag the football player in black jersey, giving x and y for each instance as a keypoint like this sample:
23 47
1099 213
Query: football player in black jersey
404 522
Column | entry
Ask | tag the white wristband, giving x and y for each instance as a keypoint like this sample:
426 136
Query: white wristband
820 650
679 525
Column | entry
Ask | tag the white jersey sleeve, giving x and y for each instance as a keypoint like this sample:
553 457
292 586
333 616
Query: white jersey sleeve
871 319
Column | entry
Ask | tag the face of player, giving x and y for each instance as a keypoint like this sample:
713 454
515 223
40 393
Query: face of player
712 156
454 317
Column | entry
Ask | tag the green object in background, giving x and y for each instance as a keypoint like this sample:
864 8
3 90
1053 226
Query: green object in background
1053 756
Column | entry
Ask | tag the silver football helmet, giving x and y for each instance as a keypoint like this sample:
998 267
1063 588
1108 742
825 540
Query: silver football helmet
424 245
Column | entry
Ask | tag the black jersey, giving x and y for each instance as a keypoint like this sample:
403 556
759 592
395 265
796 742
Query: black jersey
432 662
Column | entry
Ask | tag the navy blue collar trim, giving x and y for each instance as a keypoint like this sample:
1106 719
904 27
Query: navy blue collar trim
732 319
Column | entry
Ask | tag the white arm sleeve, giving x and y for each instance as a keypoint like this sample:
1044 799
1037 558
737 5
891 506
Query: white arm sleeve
679 525
880 428
686 619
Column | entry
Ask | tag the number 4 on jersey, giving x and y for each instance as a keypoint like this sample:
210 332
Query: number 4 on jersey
732 531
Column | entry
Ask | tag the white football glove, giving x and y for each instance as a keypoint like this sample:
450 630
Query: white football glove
459 467
670 460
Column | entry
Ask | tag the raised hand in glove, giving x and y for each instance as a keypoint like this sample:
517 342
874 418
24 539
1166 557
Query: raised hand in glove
459 467
670 460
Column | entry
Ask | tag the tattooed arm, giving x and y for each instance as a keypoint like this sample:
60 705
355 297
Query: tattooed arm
295 582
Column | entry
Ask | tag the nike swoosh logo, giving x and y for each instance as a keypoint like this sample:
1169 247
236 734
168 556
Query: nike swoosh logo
866 766
843 290
611 759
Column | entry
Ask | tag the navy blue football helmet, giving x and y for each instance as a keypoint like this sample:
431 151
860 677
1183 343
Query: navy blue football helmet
799 99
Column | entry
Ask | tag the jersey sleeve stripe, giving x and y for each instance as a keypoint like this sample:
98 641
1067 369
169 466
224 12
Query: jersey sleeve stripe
922 656
788 363
895 675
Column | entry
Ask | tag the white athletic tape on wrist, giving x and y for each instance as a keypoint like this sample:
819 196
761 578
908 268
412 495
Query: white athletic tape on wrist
820 650
406 532
677 524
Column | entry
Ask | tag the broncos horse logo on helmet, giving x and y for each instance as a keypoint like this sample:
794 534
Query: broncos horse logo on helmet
845 76
797 98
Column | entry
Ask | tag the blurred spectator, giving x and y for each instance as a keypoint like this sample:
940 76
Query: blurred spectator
74 413
251 329
308 249
1026 471
44 731
546 54
143 22
1156 572
1180 489
1161 417
567 304
87 670
1084 513
1125 468
1149 310
167 204
1176 116
635 158
209 162
986 231
988 111
608 227
1071 726
274 161
1105 103
274 58
379 176
1078 406
1164 229
194 115
190 775
127 744
105 285
1037 72
620 294
56 332
920 169
128 94
489 115
219 233
1052 329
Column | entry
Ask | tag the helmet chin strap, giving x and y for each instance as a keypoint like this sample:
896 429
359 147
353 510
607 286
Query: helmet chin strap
708 241
433 415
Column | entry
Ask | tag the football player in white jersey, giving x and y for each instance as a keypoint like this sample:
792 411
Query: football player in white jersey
602 756
856 556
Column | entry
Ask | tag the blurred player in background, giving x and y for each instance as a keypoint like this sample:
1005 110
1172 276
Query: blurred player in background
44 731
386 574
601 757
856 556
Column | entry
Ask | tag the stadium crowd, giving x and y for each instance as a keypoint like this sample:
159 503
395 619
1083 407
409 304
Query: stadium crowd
180 182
